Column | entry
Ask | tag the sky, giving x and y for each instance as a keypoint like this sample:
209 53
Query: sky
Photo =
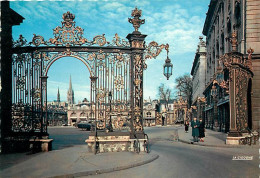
176 22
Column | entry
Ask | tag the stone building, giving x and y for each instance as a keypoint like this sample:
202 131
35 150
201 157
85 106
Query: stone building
9 18
149 112
80 112
57 111
198 73
232 91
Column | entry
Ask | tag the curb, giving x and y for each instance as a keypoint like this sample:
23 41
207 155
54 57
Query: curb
102 171
217 146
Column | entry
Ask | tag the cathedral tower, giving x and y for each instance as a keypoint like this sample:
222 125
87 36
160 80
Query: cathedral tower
58 95
70 94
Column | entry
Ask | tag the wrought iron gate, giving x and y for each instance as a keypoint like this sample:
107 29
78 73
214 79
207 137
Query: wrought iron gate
115 66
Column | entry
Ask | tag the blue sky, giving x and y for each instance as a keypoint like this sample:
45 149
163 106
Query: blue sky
177 22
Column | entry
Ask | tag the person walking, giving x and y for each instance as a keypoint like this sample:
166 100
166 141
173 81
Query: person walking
201 130
186 124
195 129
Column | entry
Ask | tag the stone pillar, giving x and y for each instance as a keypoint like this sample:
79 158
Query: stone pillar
9 18
136 40
215 114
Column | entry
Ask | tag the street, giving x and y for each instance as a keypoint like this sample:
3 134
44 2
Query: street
67 136
176 159
183 160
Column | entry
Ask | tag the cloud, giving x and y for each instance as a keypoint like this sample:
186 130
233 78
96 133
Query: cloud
176 22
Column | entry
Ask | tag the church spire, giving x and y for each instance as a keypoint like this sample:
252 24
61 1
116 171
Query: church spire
70 94
58 95
70 86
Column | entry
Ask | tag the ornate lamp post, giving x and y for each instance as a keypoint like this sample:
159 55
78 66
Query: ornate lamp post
110 120
167 67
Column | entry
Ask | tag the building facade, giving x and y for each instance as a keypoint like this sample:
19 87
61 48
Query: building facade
149 112
57 111
198 73
232 91
80 112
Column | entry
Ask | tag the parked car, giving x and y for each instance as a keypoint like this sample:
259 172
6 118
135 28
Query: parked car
86 125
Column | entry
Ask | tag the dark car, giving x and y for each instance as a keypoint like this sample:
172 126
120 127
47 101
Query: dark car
85 125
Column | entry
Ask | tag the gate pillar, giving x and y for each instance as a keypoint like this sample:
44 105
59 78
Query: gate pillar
239 75
136 80
137 45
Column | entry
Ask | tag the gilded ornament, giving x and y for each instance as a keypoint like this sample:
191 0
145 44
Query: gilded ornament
136 21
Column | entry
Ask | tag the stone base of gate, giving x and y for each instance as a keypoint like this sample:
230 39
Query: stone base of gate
233 140
40 145
114 142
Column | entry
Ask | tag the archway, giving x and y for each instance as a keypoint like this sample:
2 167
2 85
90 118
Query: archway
116 67
68 88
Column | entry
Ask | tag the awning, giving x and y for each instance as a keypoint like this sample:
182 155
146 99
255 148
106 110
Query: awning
149 118
223 101
208 108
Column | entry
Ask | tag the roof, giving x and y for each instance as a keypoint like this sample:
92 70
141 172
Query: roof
9 15
194 63
170 101
209 16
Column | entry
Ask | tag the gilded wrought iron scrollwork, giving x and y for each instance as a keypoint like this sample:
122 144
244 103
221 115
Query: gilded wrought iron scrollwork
70 35
154 49
119 82
117 41
241 95
100 40
240 72
26 95
138 92
20 83
20 114
138 119
38 40
112 66
20 42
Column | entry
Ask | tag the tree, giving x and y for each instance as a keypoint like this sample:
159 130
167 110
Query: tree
164 94
184 86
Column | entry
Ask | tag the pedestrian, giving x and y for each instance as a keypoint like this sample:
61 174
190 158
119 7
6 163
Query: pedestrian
195 129
201 130
186 124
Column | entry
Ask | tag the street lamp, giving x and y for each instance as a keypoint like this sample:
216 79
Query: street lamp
110 121
167 67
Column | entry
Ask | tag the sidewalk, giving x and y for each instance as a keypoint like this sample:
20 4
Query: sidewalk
73 162
212 138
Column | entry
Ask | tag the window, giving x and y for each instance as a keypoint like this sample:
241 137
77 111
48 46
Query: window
238 13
